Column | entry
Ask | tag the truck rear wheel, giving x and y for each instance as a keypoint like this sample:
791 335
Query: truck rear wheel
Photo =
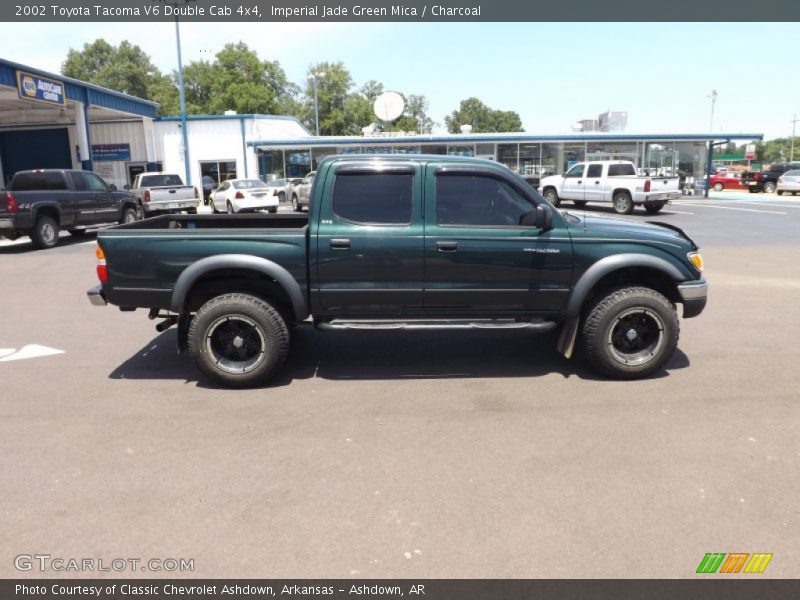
238 340
44 233
631 332
623 205
129 215
653 207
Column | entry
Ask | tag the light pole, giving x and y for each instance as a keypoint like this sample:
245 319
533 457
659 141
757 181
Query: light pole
713 95
182 97
791 151
315 78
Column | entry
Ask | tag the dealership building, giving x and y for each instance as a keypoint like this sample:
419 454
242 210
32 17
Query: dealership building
51 121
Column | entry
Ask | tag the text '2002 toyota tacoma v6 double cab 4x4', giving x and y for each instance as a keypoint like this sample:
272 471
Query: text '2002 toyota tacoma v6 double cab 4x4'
406 242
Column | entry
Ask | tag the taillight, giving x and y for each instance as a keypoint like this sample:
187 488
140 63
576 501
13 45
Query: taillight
239 196
11 202
102 270
758 176
196 195
647 185
147 196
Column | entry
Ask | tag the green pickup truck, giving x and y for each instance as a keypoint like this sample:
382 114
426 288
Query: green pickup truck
405 242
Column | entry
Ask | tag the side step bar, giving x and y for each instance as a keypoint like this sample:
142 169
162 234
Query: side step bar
435 325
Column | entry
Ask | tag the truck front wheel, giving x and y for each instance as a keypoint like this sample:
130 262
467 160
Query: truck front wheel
631 332
551 195
238 340
623 204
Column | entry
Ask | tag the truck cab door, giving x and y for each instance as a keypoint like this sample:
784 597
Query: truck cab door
574 183
593 183
84 202
479 257
106 205
369 242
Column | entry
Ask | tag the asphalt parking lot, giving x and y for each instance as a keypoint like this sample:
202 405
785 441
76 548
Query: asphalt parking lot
410 455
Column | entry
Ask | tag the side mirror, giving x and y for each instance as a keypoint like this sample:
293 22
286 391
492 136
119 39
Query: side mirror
544 216
112 187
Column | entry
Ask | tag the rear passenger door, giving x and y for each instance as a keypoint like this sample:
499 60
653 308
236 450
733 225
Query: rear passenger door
593 183
369 244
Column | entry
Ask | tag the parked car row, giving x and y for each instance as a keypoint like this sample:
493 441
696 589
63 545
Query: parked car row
767 179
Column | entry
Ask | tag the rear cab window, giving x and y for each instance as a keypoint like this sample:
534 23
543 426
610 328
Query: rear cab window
374 198
32 181
621 170
159 180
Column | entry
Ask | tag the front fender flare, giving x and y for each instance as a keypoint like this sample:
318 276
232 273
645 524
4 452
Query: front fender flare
266 267
609 264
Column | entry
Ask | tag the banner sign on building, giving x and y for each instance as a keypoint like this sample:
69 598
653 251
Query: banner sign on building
42 89
111 151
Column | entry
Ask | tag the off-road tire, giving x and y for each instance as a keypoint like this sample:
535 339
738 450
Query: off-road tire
44 234
551 195
244 319
653 207
623 204
606 319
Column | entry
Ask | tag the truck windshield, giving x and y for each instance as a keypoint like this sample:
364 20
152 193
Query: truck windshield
621 169
160 180
23 182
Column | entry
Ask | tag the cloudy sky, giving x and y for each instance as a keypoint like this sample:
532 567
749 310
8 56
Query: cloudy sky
552 74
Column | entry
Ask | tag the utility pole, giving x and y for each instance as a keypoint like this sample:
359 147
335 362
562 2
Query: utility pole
713 95
791 151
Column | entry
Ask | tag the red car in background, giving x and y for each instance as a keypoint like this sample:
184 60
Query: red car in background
727 181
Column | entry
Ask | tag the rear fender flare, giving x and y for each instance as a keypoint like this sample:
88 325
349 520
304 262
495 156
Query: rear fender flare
609 264
265 267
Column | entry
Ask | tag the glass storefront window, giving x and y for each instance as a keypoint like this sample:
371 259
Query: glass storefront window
530 156
573 153
549 160
298 163
485 151
691 159
660 160
406 150
349 150
434 149
317 154
217 170
612 151
461 150
270 165
508 155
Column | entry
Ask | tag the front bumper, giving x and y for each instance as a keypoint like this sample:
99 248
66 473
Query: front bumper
695 297
96 296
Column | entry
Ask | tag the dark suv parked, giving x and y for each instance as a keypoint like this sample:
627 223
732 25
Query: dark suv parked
767 180
38 203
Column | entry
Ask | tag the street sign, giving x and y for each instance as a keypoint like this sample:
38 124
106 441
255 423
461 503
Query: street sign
749 155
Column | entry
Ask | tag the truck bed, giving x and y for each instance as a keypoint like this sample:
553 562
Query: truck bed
145 258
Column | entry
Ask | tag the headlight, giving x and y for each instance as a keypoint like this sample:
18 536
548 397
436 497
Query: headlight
696 260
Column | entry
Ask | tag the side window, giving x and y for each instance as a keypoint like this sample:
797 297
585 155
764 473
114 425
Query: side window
94 183
576 171
77 181
594 171
478 200
374 198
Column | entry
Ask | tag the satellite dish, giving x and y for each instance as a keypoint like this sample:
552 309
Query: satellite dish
388 106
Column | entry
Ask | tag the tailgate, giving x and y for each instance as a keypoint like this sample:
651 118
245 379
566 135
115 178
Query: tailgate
664 184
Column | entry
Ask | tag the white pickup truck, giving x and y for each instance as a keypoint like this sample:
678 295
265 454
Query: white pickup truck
158 192
613 181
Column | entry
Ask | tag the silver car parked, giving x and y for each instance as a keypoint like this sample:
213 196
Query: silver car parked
789 182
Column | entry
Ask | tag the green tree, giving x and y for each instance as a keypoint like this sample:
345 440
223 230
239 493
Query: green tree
415 115
341 111
371 90
482 118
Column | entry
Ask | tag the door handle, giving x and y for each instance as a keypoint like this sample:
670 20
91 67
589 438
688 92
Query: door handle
597 183
172 191
340 244
579 181
446 246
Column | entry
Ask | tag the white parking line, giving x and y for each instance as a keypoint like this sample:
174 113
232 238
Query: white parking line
771 212
783 205
677 212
